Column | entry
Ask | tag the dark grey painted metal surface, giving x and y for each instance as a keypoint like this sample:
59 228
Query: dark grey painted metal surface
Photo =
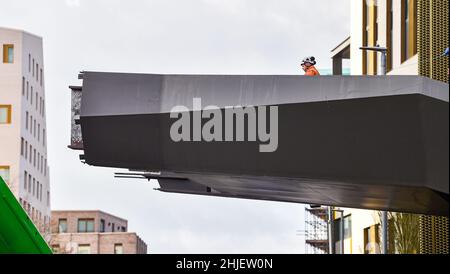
323 192
106 94
365 142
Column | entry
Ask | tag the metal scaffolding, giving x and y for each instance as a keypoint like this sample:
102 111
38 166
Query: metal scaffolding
316 230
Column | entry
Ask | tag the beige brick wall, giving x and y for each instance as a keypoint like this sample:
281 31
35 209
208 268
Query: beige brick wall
110 220
100 243
68 243
128 241
73 216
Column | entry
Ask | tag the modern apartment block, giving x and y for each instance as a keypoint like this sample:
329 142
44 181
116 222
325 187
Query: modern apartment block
415 33
388 23
361 231
93 232
352 231
23 140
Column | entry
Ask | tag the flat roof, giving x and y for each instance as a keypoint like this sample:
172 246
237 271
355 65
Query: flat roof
88 211
20 30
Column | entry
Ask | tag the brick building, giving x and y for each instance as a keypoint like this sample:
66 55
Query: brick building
93 232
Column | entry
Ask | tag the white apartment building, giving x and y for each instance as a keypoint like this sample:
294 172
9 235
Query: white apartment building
23 129
361 231
386 23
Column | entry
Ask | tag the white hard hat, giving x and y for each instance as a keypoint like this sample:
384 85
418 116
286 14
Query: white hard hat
311 60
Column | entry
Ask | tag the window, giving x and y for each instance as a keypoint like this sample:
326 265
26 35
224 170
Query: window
347 227
39 132
37 102
62 226
25 180
8 54
409 29
113 228
31 96
102 225
372 239
34 186
28 89
4 173
41 78
85 225
22 144
40 194
33 67
29 183
31 150
84 249
23 86
29 62
118 249
5 114
346 233
26 150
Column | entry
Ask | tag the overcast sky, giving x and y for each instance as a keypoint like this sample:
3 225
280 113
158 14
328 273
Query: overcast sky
168 36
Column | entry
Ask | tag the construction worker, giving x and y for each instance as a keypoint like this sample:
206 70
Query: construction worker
308 66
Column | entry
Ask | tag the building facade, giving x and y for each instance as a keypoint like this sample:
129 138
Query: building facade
93 232
361 231
387 23
415 33
23 129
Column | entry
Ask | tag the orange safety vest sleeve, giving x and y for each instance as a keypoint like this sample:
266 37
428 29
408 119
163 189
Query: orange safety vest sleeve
312 71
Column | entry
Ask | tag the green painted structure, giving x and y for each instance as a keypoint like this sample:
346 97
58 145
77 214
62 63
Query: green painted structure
18 235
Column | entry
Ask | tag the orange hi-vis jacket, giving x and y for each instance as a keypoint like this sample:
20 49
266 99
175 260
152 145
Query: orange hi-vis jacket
312 71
